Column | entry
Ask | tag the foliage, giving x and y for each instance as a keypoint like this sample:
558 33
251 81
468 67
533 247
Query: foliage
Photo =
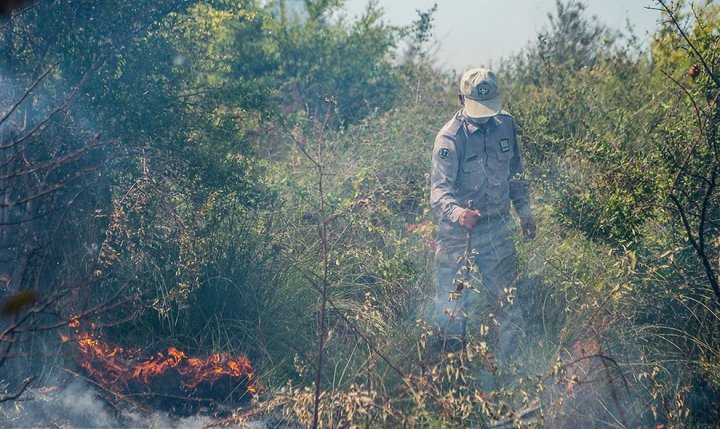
211 175
636 175
320 58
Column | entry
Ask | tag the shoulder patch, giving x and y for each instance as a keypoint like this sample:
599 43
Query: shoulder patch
444 152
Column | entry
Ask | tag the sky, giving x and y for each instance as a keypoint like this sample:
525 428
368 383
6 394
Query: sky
471 33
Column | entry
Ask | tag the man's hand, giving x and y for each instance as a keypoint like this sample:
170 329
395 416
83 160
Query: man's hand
468 217
529 228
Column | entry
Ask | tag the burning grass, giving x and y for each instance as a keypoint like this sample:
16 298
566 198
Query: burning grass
170 380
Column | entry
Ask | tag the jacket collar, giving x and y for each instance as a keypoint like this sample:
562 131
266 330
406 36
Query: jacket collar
472 127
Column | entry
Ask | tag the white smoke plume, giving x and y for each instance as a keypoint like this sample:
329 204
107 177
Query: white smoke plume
78 405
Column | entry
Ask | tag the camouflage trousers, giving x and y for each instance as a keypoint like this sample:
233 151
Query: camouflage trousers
483 308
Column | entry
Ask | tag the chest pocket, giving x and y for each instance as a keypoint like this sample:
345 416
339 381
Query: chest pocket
472 162
473 169
500 152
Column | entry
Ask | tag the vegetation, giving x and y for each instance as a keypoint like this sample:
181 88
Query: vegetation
241 177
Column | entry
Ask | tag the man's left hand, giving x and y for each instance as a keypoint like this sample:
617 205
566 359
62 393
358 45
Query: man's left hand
529 228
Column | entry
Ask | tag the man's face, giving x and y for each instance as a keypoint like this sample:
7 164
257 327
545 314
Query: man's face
461 98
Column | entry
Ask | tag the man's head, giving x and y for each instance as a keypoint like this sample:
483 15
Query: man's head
479 93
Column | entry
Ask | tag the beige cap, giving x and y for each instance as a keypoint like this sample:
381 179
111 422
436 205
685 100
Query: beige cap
480 88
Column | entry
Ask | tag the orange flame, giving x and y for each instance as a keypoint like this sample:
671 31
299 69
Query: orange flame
115 366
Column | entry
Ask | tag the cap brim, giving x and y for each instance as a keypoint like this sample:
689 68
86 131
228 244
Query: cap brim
482 109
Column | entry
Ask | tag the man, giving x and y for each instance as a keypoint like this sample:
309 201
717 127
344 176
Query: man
477 171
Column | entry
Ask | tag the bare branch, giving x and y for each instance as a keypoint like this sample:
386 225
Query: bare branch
19 13
50 164
700 251
49 116
692 100
17 394
703 213
302 149
326 265
356 329
685 37
26 94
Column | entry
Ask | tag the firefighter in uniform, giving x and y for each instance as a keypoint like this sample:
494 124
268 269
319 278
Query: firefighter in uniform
476 173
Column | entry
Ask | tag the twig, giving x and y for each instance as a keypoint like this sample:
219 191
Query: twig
684 35
690 96
302 149
118 395
699 250
66 103
613 393
26 94
325 274
19 13
357 330
17 394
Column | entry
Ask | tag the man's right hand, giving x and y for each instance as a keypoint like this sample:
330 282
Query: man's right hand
468 217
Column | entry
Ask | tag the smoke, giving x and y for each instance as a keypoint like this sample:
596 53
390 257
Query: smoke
77 405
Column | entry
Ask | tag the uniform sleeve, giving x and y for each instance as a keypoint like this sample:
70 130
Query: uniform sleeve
443 174
519 189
